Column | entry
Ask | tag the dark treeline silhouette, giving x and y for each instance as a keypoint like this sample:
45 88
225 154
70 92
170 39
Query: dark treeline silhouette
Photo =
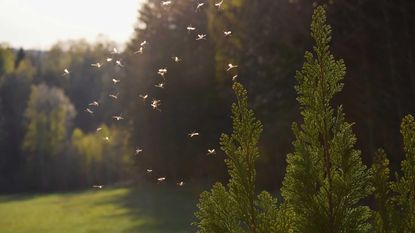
267 43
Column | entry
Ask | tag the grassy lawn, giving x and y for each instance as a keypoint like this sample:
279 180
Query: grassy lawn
147 208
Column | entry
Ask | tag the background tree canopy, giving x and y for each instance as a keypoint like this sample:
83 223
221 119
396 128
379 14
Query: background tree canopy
39 130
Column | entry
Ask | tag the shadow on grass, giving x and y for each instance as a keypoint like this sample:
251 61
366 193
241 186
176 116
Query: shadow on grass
25 196
158 208
16 197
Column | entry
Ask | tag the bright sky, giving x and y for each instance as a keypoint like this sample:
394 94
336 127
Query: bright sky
40 23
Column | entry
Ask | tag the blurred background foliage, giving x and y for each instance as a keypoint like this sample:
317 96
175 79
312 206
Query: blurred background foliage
48 141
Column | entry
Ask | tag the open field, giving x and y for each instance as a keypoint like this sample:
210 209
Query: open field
148 208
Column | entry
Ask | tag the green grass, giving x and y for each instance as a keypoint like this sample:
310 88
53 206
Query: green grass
148 208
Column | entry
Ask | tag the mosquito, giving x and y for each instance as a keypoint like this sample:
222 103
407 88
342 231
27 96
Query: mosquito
118 62
98 186
97 65
162 72
109 59
234 78
144 97
94 103
181 183
155 104
107 138
211 152
114 51
149 171
193 134
199 5
89 111
190 28
98 129
227 33
160 85
230 66
115 81
219 4
166 3
65 72
143 43
138 151
114 96
176 59
140 50
161 179
201 37
117 118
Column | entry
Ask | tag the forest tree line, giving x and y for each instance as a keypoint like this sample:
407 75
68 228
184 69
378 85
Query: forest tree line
48 141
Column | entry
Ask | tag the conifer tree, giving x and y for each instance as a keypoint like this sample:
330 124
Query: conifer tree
395 201
325 178
384 213
405 184
236 207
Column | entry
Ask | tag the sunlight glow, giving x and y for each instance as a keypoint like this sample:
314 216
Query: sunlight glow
38 24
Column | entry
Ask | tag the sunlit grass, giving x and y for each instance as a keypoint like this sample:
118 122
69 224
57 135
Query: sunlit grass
149 208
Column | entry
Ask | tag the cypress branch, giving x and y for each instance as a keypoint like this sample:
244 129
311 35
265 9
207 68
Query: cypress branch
384 213
236 207
405 184
325 179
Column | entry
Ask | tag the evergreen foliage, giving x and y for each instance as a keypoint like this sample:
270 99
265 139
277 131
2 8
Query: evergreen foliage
404 187
325 179
395 201
235 207
383 214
